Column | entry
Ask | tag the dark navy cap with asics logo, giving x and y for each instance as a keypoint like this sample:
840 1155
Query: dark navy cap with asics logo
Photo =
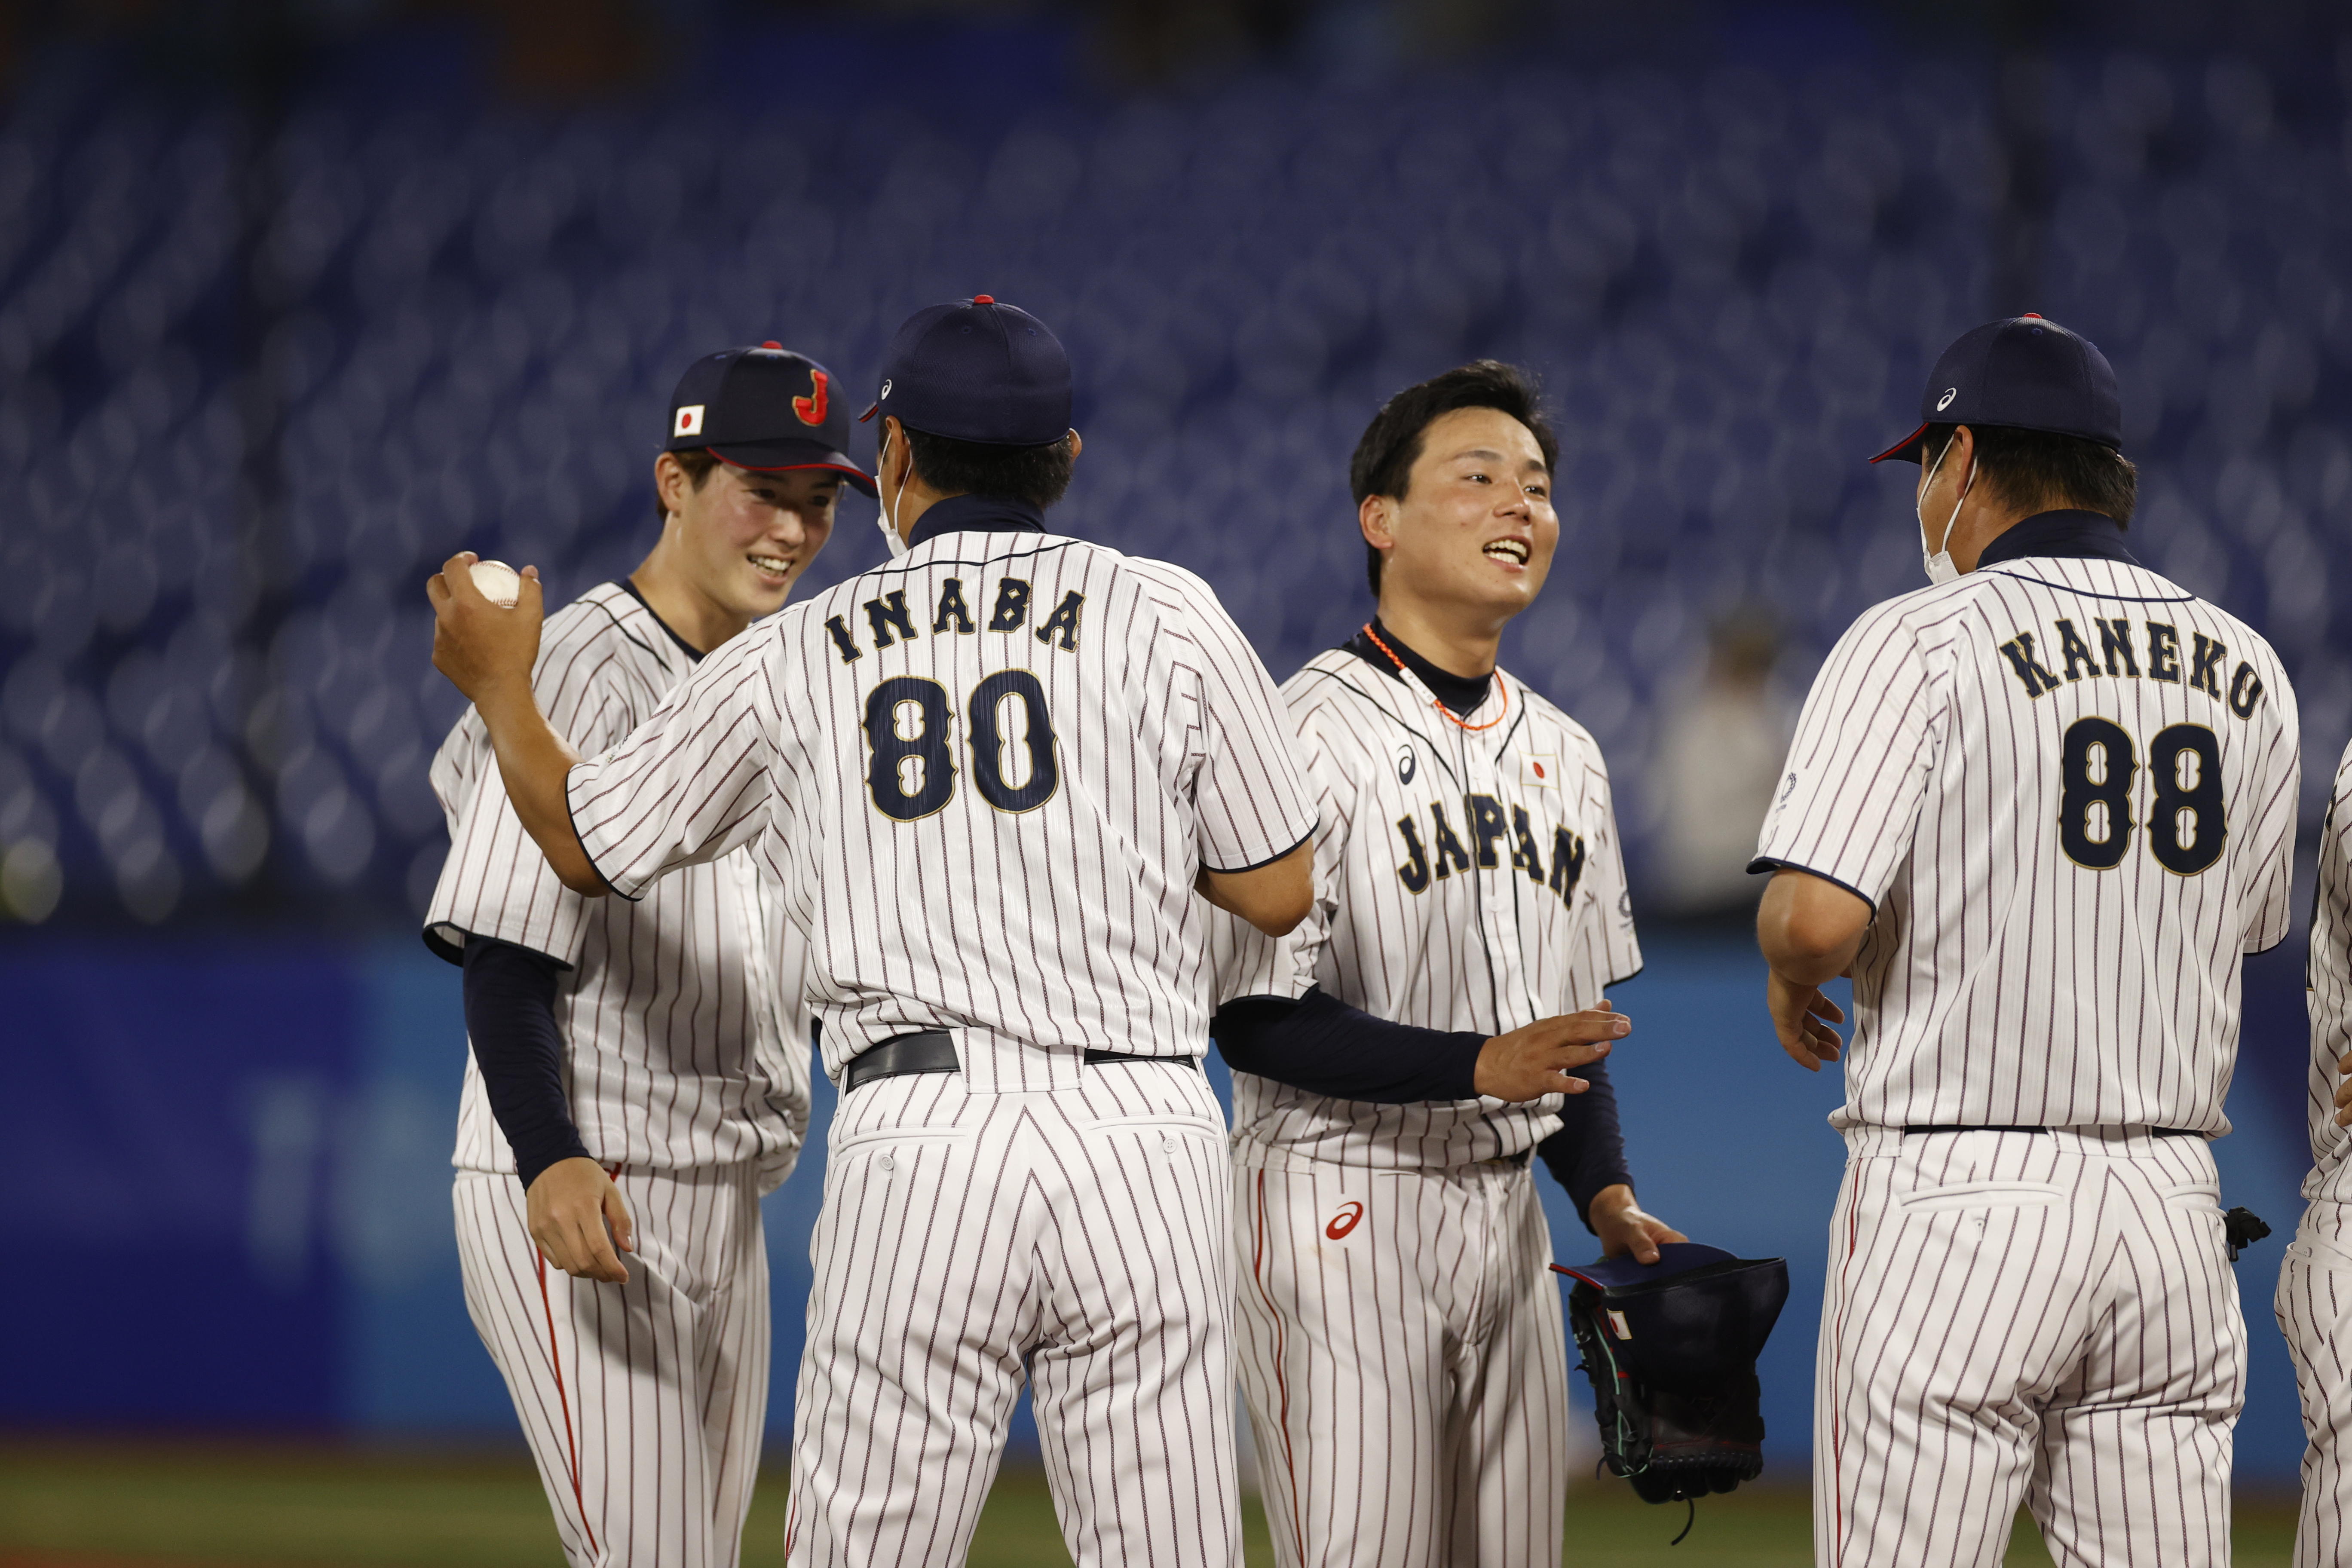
977 370
2027 373
766 409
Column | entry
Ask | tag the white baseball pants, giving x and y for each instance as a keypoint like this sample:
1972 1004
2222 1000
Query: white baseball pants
2048 1318
1076 1236
643 1401
2314 1311
1404 1358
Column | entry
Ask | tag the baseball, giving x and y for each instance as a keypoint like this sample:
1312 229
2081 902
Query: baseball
500 582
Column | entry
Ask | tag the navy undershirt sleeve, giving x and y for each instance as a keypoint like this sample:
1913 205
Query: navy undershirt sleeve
1587 1152
1323 1045
510 1017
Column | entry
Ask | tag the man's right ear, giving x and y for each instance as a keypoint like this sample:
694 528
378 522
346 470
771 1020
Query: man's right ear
1374 516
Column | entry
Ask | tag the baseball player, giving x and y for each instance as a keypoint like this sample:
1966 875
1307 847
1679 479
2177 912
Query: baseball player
1403 1053
991 774
2314 1290
638 1075
2038 810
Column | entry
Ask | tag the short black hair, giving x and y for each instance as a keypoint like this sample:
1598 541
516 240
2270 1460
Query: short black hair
1038 475
699 463
1391 446
2041 470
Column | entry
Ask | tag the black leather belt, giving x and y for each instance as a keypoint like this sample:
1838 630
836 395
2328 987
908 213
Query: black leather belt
1969 1127
932 1050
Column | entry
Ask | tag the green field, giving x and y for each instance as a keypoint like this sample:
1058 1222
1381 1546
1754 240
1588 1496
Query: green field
75 1505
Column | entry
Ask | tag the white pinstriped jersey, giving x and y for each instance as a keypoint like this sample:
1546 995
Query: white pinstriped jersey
688 1042
987 774
2329 973
1464 879
2068 787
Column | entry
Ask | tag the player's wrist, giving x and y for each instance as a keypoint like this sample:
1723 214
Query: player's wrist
1612 1202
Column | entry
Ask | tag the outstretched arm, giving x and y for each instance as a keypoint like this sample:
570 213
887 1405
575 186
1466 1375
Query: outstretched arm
1323 1045
487 651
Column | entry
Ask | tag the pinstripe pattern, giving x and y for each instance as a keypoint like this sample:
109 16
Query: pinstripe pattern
1028 1211
688 1071
2046 1317
2314 1291
1068 925
2314 1306
1924 778
1406 1379
1489 945
1407 1376
685 1038
1079 1233
2329 977
649 1441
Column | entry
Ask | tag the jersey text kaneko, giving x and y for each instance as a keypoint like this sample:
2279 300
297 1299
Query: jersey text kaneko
2119 639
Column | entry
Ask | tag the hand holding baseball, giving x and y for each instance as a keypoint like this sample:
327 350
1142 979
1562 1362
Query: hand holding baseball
485 648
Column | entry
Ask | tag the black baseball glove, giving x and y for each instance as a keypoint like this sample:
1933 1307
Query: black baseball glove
1671 1349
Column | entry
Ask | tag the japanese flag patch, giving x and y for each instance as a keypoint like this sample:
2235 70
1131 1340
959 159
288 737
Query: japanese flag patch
690 420
1538 772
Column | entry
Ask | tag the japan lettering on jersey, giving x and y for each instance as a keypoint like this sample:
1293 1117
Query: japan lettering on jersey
1467 877
988 773
2330 976
2067 788
688 1045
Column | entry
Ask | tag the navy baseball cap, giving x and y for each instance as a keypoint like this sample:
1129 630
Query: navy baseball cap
766 409
976 370
2027 373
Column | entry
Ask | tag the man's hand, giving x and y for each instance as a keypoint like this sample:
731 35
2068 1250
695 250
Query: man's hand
1529 1063
1809 929
1798 1018
486 650
570 1205
1623 1226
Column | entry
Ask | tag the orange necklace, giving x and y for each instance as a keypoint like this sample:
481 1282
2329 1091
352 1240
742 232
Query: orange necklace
1450 715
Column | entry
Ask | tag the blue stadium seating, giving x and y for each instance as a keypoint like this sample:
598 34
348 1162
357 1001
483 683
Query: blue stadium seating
1731 281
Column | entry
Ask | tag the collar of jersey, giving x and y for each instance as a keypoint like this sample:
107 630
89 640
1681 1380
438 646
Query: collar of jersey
976 514
692 652
2084 535
1440 683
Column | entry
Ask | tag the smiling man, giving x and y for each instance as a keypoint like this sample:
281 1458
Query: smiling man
639 1071
1435 1021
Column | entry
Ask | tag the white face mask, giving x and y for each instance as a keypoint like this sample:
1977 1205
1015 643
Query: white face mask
1939 559
886 519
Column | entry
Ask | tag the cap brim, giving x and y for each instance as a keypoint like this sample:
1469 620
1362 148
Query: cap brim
785 457
1909 449
1673 1258
871 410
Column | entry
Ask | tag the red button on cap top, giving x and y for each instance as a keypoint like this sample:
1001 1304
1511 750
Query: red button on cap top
983 298
772 343
2033 315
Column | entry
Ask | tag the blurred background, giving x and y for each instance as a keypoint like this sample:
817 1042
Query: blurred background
297 297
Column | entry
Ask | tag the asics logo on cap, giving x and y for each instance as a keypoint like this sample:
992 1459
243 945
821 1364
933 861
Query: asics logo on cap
1945 401
885 388
690 419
